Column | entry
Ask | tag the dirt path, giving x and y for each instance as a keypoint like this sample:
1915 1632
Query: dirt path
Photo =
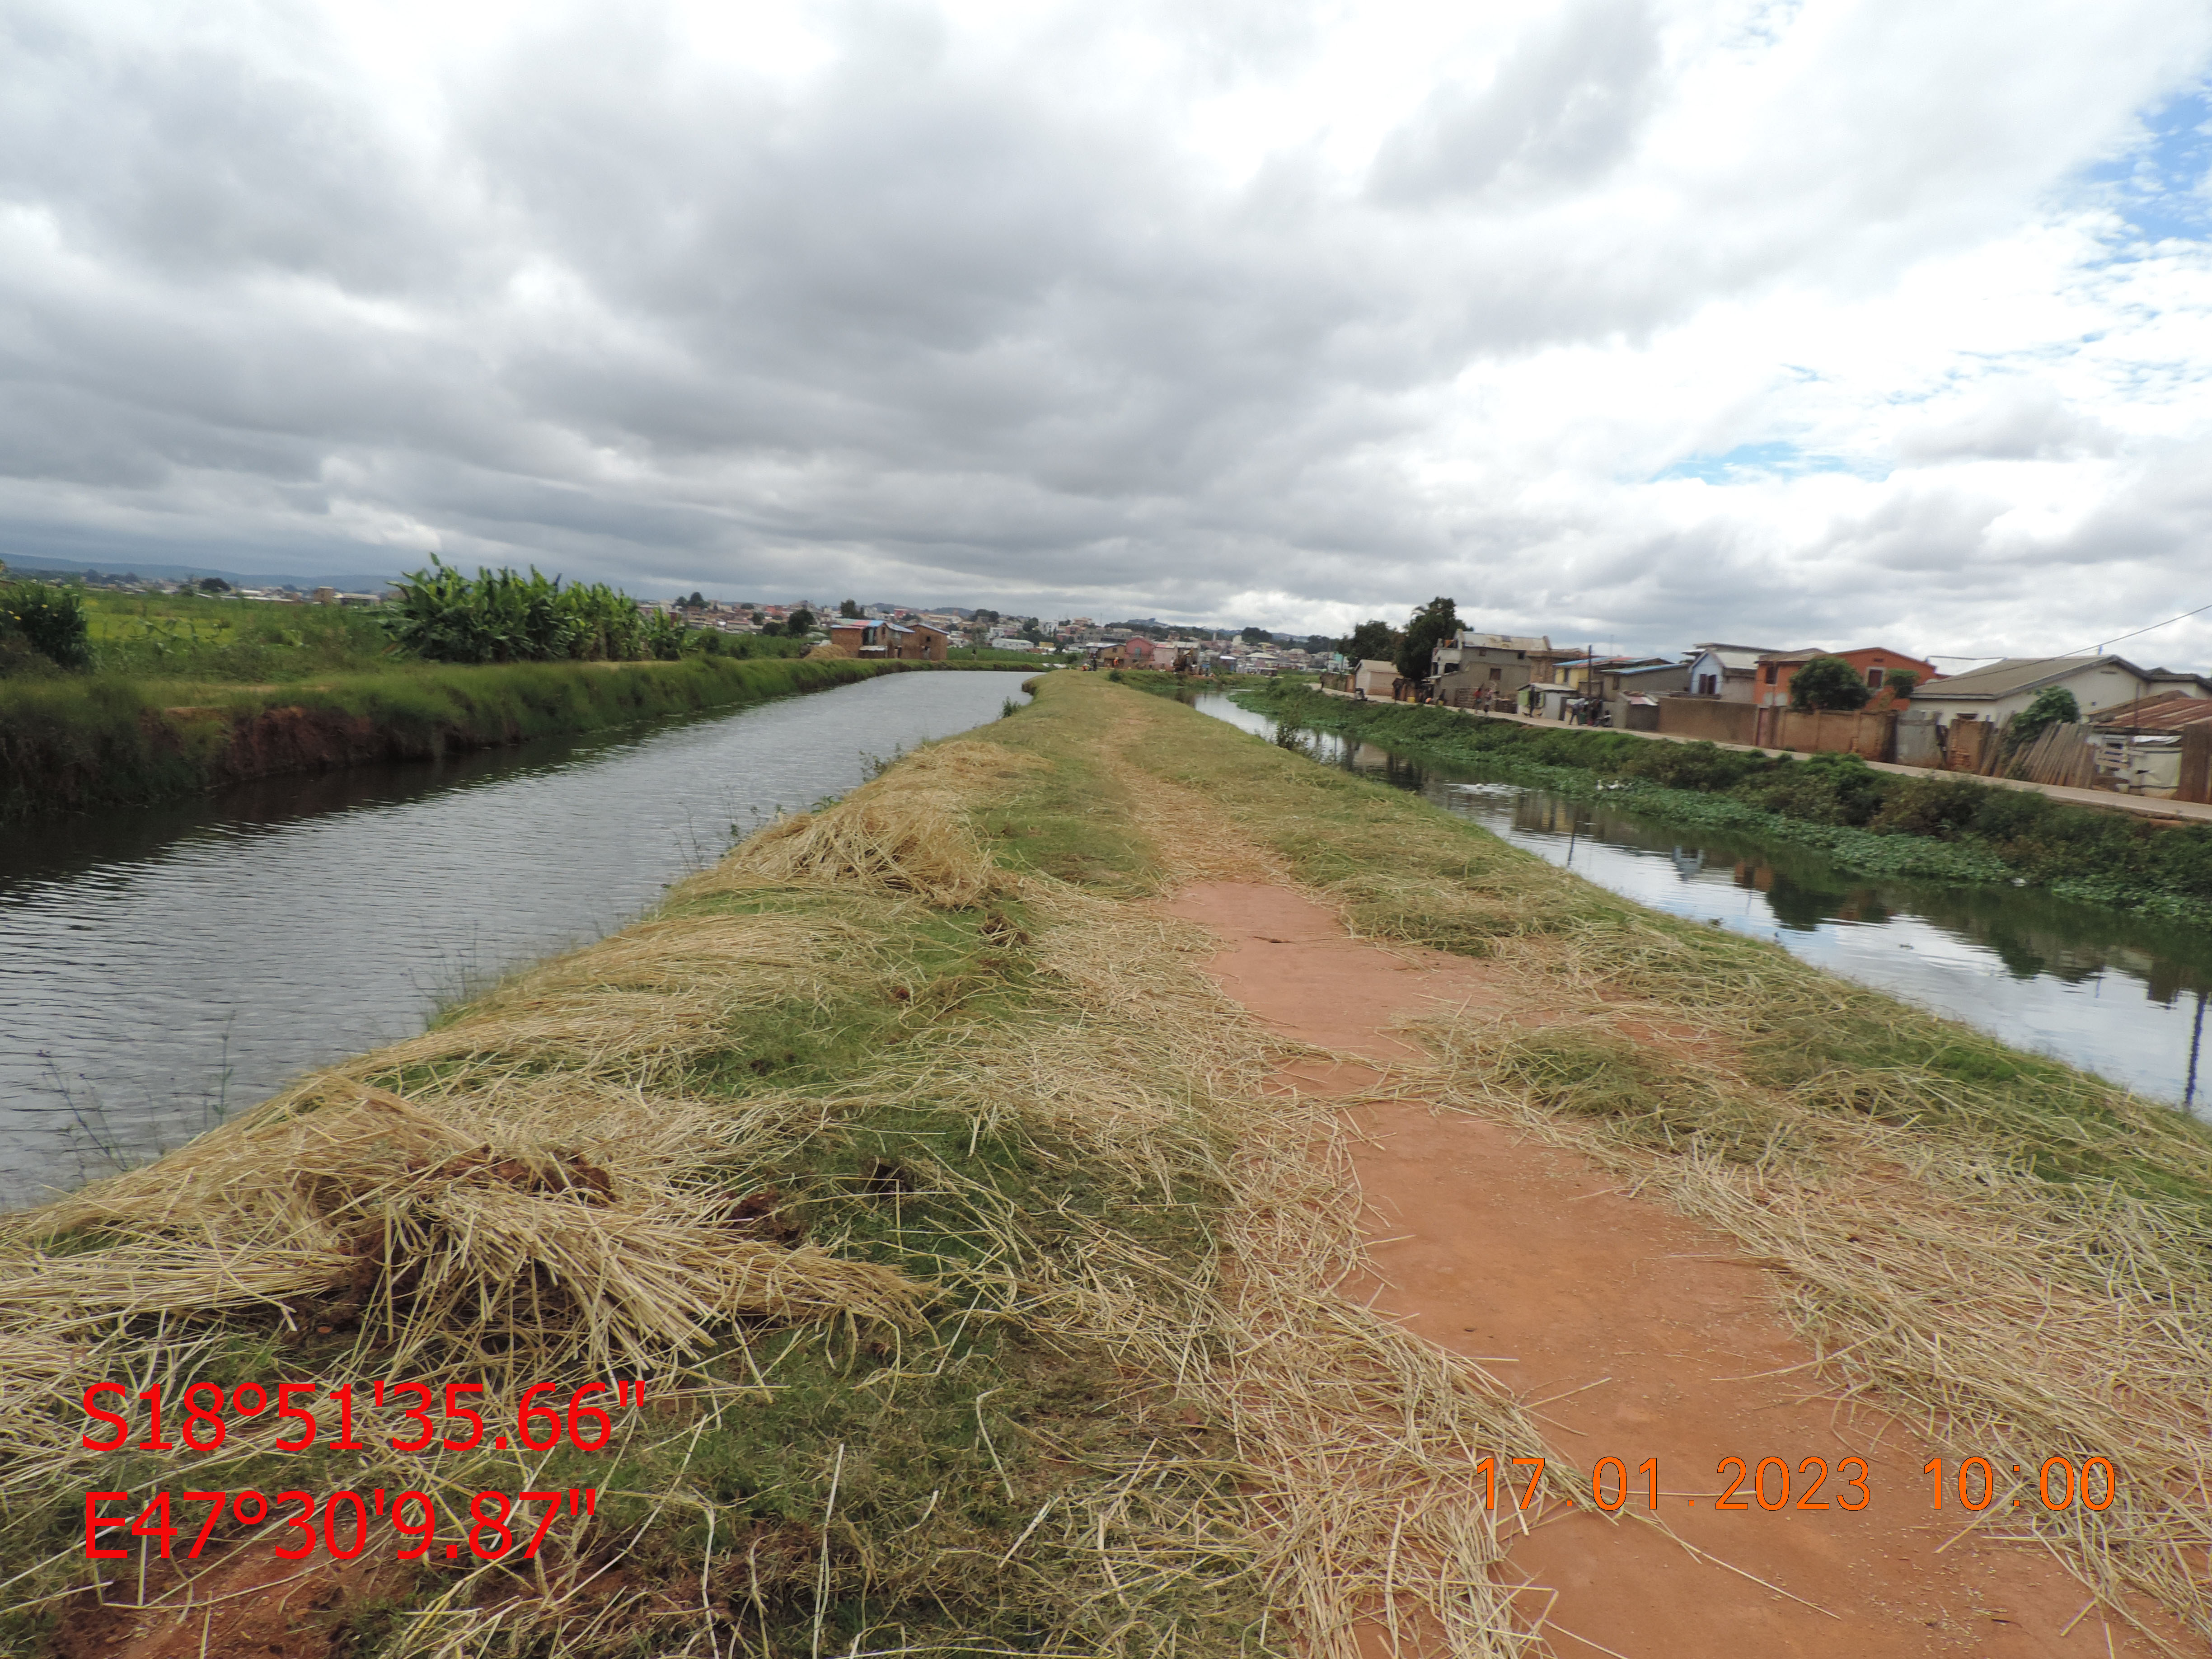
1650 1337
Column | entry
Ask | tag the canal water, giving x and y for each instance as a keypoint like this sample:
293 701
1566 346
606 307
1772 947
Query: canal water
159 969
2122 998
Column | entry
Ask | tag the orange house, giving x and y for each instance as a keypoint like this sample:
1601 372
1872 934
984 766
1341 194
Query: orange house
861 637
1775 669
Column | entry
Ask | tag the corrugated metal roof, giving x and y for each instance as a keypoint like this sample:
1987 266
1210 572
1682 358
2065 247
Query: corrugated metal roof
2017 674
1506 642
2162 712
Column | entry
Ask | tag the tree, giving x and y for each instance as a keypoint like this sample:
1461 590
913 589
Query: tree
1901 682
1373 638
1431 626
848 608
1828 683
799 623
1253 636
696 602
2053 706
213 585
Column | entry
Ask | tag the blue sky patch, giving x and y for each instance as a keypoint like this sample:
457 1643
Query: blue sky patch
1749 463
2162 186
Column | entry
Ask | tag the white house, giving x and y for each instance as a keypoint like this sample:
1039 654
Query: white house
2004 688
1729 672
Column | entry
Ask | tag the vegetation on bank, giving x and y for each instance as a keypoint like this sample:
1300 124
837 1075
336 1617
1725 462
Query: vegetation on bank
211 636
902 1153
71 743
989 1297
441 615
1938 827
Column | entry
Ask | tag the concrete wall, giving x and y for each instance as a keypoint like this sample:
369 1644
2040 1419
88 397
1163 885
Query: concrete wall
1919 740
1870 737
1707 717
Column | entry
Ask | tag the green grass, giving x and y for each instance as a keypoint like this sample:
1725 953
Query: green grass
1934 828
1405 869
189 637
75 742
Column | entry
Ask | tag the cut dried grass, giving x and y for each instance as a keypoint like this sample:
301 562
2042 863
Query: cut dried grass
526 1192
909 833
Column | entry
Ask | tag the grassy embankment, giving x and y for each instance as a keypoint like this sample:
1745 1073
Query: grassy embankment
1938 827
910 1153
188 692
77 742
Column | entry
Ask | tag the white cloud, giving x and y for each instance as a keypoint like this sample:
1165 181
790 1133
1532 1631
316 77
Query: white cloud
1638 319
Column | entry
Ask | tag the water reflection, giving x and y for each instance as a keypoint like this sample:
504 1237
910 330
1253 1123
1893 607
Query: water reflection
2117 995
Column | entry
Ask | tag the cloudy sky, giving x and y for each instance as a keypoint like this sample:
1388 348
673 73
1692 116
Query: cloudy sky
1642 321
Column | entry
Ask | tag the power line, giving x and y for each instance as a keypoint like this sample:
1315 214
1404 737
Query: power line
2097 645
2100 647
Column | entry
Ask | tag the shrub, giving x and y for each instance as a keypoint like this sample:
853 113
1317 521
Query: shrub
1704 766
48 619
1829 787
1828 683
1938 807
2053 706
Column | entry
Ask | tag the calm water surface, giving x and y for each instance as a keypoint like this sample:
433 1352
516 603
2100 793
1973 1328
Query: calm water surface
2121 998
159 969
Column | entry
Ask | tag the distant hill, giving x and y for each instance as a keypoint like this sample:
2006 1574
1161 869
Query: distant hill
350 582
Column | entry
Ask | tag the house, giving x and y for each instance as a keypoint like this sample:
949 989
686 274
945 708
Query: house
1499 660
1777 669
1647 679
851 636
1376 677
924 642
1728 672
1999 690
2160 744
1546 699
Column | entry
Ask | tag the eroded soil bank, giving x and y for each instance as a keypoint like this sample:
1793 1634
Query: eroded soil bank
1101 1188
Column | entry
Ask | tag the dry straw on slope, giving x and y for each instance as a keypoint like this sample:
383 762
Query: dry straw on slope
908 833
525 1197
2015 1317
